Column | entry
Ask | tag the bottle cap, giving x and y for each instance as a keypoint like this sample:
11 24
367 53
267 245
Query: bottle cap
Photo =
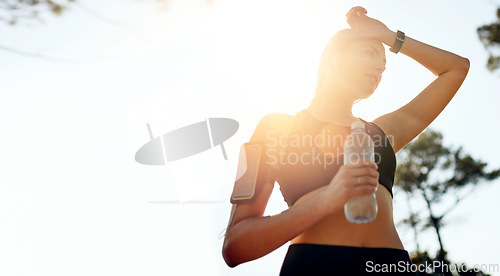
357 125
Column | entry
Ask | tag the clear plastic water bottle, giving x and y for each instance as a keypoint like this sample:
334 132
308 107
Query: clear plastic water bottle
359 145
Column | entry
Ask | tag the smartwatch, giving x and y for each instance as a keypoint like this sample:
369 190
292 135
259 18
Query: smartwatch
400 37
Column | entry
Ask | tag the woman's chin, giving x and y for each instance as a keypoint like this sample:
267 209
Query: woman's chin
360 90
365 93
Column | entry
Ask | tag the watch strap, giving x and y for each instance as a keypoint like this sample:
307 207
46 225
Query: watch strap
400 38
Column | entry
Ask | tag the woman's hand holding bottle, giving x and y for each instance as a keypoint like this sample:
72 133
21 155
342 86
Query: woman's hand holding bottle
351 180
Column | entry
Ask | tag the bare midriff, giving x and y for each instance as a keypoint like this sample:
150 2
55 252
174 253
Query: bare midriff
336 230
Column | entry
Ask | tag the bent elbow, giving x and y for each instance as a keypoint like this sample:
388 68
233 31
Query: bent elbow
229 262
228 254
460 68
465 66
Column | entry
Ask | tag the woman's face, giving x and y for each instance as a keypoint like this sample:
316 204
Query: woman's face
360 66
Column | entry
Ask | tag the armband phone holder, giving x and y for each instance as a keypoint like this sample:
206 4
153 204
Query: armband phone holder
247 173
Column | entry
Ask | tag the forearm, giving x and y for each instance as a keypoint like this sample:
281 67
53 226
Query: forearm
255 237
438 61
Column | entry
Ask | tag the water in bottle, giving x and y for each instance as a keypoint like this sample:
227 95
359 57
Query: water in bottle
359 145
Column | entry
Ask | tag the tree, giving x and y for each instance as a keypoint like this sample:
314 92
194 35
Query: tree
14 11
432 172
422 260
489 35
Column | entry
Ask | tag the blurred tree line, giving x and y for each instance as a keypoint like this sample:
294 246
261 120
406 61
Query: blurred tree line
489 35
13 12
437 175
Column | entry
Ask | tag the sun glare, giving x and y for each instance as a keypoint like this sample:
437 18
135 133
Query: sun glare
271 58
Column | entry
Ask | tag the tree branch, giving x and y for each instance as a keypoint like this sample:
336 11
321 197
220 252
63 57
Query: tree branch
458 199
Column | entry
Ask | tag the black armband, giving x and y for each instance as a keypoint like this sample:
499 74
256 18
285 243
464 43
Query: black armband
252 173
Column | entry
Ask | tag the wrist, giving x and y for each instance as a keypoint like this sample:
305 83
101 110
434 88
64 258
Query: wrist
329 204
388 38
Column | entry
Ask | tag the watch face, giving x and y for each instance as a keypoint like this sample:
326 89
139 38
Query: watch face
400 36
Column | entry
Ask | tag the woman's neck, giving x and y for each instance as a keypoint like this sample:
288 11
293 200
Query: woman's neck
329 105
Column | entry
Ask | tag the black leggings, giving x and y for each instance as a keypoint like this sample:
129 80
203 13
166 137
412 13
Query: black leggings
318 259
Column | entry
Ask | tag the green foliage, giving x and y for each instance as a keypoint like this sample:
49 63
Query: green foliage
417 159
431 171
425 155
13 12
489 35
493 63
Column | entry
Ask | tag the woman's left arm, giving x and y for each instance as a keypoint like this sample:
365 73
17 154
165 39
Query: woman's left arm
407 122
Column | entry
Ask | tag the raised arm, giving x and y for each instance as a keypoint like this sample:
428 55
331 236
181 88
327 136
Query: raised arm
450 69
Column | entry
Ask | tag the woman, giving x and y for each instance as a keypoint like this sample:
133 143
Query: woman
322 241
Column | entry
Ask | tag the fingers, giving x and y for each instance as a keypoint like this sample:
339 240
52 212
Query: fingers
361 190
353 15
361 181
363 171
358 10
355 179
359 174
362 163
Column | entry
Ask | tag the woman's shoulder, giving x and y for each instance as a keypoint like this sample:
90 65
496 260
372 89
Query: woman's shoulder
279 118
273 124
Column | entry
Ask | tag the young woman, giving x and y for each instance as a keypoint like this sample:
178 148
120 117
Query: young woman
322 241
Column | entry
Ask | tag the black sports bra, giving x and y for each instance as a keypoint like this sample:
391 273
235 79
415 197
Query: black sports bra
311 155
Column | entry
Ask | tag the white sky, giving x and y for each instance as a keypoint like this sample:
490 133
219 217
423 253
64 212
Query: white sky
72 198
